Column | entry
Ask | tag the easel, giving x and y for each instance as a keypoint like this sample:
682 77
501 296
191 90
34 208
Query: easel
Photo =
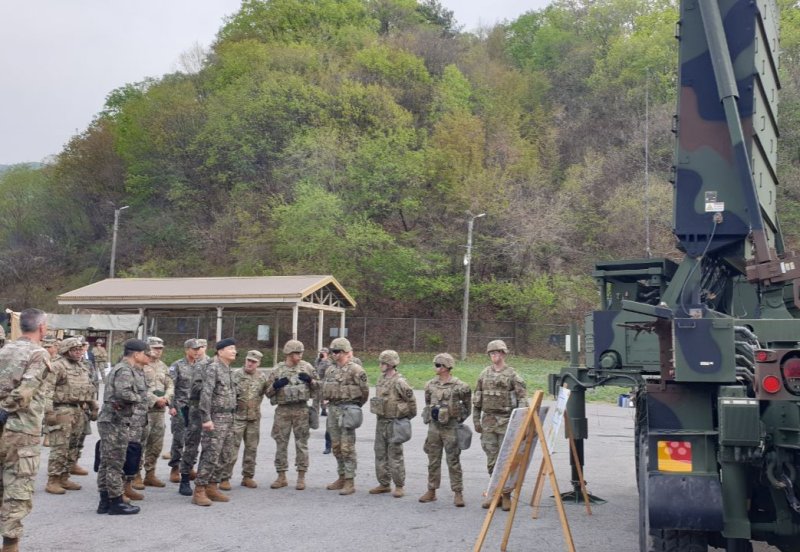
539 486
532 429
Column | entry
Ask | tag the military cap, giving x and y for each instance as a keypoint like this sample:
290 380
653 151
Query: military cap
497 345
192 344
445 359
324 350
100 341
254 355
155 342
389 357
49 341
202 342
341 344
224 343
69 343
135 345
293 346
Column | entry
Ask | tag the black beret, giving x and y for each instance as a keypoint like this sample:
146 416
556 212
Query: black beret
136 345
225 343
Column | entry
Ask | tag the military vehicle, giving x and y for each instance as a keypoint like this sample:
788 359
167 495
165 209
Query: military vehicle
711 344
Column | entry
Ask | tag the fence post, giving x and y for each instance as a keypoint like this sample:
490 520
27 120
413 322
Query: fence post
414 338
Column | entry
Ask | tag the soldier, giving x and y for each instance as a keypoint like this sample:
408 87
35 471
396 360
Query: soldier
394 399
119 402
89 415
321 364
139 427
25 383
100 357
216 407
50 344
251 388
346 390
499 391
447 403
159 396
290 386
194 423
181 375
64 422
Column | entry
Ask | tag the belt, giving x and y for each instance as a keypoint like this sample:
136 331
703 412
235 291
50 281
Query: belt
224 411
67 404
342 403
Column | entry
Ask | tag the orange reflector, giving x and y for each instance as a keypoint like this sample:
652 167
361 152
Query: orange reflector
675 456
771 384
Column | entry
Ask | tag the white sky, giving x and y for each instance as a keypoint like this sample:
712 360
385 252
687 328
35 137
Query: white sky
60 58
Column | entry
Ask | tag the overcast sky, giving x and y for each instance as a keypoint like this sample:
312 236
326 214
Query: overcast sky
60 58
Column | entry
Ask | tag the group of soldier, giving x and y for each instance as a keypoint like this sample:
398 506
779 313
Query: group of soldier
47 387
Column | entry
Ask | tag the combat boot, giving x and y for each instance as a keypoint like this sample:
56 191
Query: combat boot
77 470
116 507
10 544
186 488
212 492
137 482
54 485
398 492
225 485
458 499
199 497
429 496
301 481
506 502
68 485
175 474
380 489
349 487
280 481
336 485
488 502
249 482
130 493
102 507
150 480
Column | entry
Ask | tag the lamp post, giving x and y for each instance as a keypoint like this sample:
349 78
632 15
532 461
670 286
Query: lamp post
467 263
114 240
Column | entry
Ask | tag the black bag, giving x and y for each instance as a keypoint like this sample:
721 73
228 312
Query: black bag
97 456
133 457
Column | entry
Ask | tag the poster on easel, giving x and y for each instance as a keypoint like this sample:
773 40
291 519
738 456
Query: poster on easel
551 430
515 424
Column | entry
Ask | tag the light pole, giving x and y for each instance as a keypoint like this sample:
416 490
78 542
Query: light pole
467 263
114 240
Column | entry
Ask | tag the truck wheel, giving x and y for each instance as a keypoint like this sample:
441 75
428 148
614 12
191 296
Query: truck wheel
660 540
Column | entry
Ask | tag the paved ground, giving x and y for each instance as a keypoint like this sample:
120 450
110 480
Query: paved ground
316 519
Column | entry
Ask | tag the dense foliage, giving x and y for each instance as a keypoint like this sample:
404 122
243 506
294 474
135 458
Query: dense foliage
351 137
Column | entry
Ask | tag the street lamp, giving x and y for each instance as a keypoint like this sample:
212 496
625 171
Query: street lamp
467 263
114 240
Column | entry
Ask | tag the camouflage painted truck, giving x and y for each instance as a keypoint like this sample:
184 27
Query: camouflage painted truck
711 344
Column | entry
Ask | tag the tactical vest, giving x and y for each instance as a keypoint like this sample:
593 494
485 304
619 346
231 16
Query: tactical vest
448 398
388 401
498 395
341 384
296 391
249 394
75 386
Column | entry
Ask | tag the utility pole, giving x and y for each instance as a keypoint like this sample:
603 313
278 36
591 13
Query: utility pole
467 263
114 240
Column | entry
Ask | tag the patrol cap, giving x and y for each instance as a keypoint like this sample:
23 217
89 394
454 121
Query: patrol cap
445 359
293 346
224 343
341 344
69 343
100 341
202 342
49 340
135 345
389 357
497 345
192 344
324 350
155 342
254 355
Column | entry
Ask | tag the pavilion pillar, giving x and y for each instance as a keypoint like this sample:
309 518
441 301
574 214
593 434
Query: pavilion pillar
276 344
320 322
295 316
219 323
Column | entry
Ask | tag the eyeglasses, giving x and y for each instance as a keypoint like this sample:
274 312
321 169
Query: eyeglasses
336 351
439 365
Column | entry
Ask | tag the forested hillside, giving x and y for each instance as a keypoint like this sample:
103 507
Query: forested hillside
350 137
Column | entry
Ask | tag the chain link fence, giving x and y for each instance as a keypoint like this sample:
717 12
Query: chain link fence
373 334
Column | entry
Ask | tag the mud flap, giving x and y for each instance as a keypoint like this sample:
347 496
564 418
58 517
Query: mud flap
684 502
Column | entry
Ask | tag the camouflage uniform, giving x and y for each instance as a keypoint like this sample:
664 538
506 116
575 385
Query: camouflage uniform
454 395
344 385
291 414
65 422
393 399
120 401
25 383
217 404
193 433
100 360
181 375
496 395
250 391
159 385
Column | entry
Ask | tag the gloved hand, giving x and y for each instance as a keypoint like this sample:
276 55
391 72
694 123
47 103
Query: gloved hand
305 378
3 416
478 428
50 418
94 411
283 382
435 413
